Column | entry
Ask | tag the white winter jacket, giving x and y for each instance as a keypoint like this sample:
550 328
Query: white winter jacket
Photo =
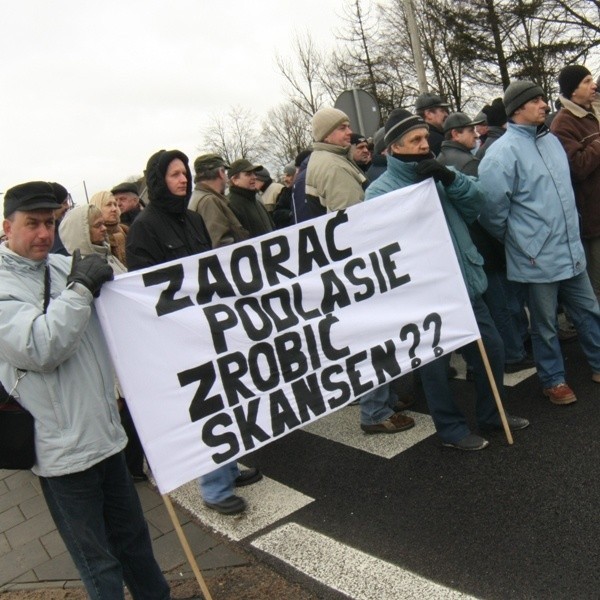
68 384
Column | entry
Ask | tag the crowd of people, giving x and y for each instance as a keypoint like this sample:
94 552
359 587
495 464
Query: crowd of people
519 201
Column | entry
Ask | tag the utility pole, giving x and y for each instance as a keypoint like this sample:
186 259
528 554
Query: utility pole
413 31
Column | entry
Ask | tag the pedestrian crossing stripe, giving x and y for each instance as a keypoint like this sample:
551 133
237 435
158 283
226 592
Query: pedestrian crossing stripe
358 575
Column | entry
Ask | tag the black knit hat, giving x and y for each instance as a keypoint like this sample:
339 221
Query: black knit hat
496 115
357 138
158 192
400 122
570 78
518 93
33 195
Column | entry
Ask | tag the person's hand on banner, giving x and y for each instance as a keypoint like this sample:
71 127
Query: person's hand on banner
432 168
90 271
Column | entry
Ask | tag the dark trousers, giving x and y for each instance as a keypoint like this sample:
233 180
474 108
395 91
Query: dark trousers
100 519
449 421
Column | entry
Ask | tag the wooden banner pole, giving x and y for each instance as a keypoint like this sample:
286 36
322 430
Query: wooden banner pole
490 375
186 547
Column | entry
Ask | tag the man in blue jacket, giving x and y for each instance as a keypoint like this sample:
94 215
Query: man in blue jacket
531 209
410 160
53 356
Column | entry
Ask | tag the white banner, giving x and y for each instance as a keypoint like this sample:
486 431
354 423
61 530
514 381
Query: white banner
221 353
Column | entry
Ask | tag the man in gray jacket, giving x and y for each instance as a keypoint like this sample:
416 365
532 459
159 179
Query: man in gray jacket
54 359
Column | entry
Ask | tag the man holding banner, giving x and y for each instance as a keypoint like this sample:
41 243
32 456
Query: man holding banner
410 161
53 356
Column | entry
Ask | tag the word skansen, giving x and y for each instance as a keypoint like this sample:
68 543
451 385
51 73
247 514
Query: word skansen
277 309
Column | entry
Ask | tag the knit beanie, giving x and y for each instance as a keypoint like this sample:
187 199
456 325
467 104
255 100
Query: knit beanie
325 120
399 123
357 138
158 192
518 93
496 115
570 78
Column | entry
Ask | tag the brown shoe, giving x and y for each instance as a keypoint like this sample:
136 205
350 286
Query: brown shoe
560 394
596 377
396 423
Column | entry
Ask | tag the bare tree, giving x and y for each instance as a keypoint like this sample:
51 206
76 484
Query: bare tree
233 135
581 18
373 57
303 74
285 132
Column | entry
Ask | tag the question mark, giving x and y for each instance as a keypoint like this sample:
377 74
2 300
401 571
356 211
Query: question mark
404 332
435 318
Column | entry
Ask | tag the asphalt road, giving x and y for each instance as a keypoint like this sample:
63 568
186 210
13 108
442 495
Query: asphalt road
400 516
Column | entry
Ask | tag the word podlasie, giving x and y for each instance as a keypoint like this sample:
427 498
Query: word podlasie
246 343
284 365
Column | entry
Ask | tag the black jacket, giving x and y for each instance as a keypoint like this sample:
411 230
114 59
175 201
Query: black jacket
166 229
436 137
157 236
250 211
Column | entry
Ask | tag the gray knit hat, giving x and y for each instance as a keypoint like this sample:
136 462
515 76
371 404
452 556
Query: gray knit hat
518 93
325 120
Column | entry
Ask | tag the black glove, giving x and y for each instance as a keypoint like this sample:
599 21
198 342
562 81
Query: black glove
91 271
432 168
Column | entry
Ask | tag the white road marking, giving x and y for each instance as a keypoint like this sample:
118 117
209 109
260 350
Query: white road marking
347 570
343 426
268 501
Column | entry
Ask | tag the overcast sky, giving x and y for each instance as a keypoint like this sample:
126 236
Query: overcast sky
89 90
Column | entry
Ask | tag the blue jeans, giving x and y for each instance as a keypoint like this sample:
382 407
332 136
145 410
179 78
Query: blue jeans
449 422
219 484
578 298
497 298
99 517
378 405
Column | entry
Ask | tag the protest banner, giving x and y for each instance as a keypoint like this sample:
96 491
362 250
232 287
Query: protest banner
221 353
